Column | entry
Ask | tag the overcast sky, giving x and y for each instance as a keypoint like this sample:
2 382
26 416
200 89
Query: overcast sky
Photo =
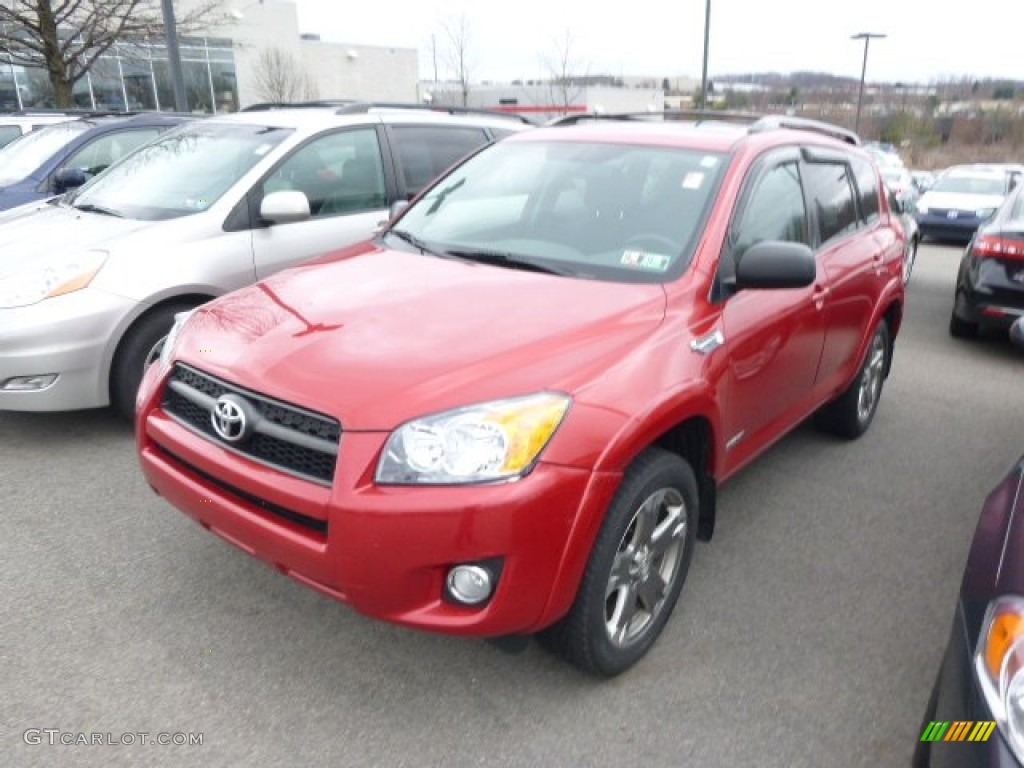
927 39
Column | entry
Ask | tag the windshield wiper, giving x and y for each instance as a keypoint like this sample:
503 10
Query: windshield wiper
91 208
414 241
512 261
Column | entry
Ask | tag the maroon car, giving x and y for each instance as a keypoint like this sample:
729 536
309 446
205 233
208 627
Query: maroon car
981 680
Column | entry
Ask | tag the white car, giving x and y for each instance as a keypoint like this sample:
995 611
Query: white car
90 283
961 199
17 124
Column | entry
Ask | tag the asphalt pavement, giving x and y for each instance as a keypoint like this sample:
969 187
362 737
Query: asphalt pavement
808 634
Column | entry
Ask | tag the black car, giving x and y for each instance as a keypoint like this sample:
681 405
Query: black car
990 283
975 716
55 158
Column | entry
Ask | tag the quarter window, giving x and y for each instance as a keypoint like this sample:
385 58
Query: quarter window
833 199
107 150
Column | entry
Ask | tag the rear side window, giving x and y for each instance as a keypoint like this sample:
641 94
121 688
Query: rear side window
867 189
832 192
424 152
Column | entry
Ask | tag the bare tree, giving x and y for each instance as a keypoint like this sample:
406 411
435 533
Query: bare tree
66 37
457 36
280 78
566 77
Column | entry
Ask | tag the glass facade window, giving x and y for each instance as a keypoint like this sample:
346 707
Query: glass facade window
135 75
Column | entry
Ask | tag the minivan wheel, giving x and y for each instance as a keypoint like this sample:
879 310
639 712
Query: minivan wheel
138 348
850 414
636 569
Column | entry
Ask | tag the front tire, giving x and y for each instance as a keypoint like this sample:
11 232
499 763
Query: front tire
850 414
137 349
636 569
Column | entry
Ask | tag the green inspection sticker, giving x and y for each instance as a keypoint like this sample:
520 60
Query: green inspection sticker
645 260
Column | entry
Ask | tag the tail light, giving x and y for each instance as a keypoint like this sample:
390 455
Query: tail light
996 246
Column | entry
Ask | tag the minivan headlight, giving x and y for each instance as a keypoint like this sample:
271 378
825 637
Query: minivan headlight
999 666
53 277
984 213
499 440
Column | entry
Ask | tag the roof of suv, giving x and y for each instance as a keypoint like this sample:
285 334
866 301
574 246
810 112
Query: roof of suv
708 130
315 115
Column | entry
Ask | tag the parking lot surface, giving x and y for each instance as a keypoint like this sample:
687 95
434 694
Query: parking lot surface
808 634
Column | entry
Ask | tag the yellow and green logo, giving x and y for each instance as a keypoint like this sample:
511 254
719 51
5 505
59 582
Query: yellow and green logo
958 730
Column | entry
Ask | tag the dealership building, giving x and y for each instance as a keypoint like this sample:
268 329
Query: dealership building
223 67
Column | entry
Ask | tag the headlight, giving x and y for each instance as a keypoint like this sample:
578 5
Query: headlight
984 213
477 444
922 209
171 342
51 278
999 665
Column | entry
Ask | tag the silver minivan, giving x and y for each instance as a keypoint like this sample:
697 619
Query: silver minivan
90 282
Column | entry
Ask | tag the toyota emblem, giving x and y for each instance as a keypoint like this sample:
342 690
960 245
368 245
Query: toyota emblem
229 418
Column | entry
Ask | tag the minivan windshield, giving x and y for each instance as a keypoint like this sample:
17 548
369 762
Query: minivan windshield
611 211
183 172
23 157
971 185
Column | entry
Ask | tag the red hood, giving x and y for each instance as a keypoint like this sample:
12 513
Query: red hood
384 336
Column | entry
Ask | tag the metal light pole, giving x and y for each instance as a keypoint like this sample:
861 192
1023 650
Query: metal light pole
174 57
704 68
866 37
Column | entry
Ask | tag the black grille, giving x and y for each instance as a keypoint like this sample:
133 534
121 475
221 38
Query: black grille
319 526
303 443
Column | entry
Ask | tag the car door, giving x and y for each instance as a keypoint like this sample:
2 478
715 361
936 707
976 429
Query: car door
848 257
342 175
773 337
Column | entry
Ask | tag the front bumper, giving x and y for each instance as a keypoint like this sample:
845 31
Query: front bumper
386 550
957 698
68 336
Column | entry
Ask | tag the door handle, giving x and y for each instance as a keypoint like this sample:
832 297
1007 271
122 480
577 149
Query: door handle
821 292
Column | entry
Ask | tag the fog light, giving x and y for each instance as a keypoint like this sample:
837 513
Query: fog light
29 383
470 584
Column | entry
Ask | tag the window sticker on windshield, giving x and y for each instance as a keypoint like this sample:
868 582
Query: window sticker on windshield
645 260
708 162
262 149
693 180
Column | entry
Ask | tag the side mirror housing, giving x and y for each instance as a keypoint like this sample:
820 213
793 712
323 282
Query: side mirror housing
776 264
285 207
68 178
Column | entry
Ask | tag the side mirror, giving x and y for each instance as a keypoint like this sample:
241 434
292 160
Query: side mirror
68 178
284 207
776 264
1017 332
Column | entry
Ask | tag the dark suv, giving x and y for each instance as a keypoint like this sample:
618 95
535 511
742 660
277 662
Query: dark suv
510 412
52 159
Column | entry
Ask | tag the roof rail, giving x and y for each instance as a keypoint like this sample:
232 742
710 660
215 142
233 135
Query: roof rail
267 106
774 122
359 107
756 122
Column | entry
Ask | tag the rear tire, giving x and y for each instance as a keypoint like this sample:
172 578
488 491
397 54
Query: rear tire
960 328
137 347
636 569
850 414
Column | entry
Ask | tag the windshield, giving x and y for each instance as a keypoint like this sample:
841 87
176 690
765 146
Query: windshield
971 185
185 171
609 211
23 157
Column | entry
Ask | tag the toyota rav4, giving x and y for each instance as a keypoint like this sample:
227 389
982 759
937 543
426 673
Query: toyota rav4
509 413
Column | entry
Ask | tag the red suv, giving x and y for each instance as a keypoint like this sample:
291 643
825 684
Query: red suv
511 411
